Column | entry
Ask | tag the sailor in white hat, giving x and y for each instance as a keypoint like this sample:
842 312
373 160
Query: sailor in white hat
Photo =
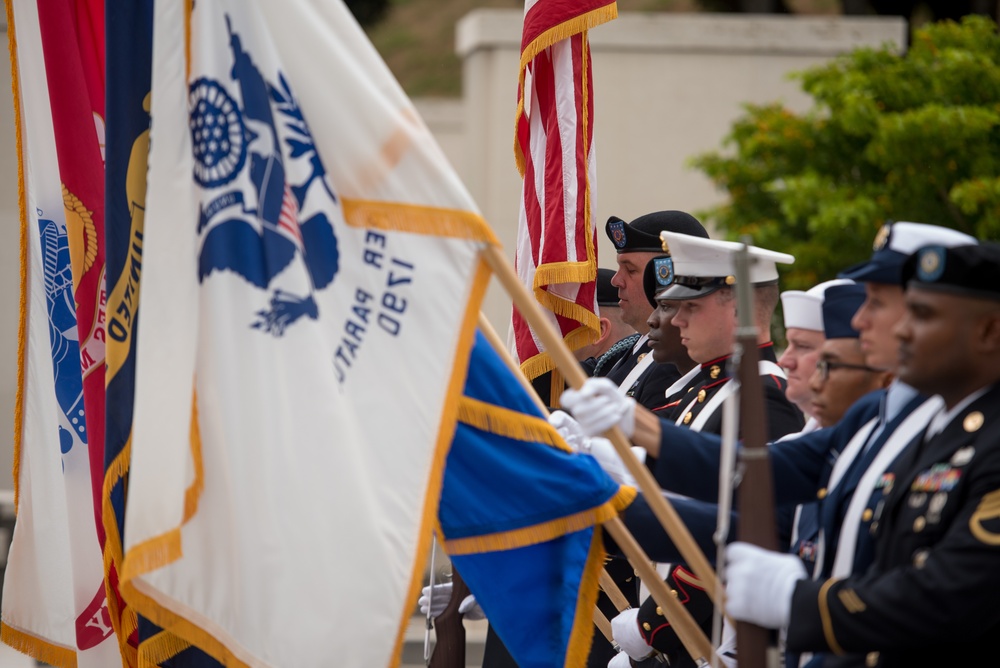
701 292
803 316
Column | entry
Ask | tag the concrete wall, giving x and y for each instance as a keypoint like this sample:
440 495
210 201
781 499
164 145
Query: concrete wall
667 86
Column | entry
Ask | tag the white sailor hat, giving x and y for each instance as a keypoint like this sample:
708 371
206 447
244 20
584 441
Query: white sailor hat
803 309
894 243
702 266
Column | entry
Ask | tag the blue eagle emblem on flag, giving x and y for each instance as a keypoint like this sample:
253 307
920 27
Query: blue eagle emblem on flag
254 220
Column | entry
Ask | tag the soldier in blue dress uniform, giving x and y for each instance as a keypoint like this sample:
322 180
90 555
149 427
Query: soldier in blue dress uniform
930 595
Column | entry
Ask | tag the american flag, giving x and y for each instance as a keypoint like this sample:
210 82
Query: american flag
556 253
288 219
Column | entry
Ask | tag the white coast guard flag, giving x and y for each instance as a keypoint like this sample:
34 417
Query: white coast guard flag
311 282
54 604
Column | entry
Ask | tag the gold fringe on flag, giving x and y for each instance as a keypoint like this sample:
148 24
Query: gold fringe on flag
417 219
55 655
546 531
509 423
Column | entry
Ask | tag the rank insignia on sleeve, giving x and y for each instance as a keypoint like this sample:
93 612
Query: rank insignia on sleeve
985 522
851 601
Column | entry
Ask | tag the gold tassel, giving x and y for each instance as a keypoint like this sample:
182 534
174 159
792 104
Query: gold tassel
22 207
159 648
540 533
508 423
55 655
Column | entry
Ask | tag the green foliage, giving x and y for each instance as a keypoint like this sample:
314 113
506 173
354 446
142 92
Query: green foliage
889 137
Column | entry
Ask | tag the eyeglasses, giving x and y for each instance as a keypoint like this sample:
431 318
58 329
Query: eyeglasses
825 366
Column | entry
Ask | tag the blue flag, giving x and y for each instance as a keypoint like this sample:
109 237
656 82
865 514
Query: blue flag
520 515
129 33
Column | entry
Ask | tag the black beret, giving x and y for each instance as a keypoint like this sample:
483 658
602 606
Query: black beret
972 270
607 294
643 233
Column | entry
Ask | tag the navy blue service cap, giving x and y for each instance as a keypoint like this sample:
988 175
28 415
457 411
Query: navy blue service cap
894 243
840 303
972 270
643 234
607 294
804 310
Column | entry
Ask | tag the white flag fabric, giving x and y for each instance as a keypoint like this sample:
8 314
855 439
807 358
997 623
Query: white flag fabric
54 605
312 275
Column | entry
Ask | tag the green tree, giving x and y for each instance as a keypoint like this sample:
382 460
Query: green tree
889 137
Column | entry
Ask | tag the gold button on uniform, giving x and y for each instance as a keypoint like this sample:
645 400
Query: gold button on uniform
867 515
973 421
674 592
701 395
920 558
687 418
646 626
659 611
872 659
714 371
821 494
919 524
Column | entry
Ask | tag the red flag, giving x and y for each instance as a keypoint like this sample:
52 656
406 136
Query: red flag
73 43
556 254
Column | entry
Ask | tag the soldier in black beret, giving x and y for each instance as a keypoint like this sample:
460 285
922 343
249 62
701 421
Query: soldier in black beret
930 597
636 244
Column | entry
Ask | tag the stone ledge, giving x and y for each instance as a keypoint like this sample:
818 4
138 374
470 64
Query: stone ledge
699 33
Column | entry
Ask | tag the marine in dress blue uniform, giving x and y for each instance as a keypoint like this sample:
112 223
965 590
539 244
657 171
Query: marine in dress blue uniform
697 270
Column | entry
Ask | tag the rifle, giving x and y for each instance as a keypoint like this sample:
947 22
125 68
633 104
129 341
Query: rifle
449 648
756 489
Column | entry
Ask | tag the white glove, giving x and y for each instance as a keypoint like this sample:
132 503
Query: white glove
621 660
599 406
470 609
442 596
604 452
759 584
568 428
625 631
438 602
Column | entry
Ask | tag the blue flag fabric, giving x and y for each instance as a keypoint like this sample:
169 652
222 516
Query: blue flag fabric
129 34
520 515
